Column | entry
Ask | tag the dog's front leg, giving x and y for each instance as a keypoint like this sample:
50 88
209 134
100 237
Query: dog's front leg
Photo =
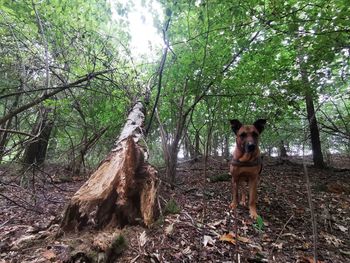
253 185
234 203
243 201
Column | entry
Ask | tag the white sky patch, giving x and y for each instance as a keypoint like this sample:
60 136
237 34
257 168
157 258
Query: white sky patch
145 39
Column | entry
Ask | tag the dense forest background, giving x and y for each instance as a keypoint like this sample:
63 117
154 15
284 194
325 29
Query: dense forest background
71 71
69 75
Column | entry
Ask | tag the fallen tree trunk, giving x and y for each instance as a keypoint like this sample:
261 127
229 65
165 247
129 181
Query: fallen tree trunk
123 190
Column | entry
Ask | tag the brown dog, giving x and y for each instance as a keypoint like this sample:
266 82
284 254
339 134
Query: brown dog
246 163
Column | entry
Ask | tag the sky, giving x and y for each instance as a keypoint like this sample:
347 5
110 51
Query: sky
144 34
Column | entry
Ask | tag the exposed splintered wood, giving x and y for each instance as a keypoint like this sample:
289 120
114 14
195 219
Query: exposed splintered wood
123 190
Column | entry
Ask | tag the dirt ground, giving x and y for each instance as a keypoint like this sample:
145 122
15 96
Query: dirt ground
196 224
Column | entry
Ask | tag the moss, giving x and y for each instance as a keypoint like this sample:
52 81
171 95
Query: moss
159 222
172 207
117 247
65 179
220 178
119 244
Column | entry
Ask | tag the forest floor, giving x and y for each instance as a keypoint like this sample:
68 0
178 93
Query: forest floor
196 216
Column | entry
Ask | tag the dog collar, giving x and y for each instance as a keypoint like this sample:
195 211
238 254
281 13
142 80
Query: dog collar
257 161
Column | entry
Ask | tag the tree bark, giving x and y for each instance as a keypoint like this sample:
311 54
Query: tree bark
311 116
45 96
4 138
197 142
226 152
78 160
283 151
122 190
35 151
215 144
314 132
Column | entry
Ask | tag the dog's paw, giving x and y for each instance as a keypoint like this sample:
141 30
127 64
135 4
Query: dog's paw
253 214
243 202
233 205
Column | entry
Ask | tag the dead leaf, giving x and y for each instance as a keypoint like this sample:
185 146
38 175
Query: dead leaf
244 239
278 245
307 245
186 251
230 237
23 241
310 260
344 252
207 240
154 257
330 239
169 229
217 223
49 254
143 239
267 200
290 235
256 246
342 228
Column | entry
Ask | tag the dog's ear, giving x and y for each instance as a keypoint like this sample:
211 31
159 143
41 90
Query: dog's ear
235 125
260 125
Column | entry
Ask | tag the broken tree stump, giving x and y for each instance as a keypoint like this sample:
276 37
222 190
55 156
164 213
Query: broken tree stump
123 189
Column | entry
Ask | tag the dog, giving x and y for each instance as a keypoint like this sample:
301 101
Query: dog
246 164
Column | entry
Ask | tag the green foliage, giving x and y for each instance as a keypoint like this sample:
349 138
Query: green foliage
172 207
119 244
259 224
215 70
220 178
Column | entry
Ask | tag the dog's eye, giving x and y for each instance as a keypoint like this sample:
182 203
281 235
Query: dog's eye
242 135
255 135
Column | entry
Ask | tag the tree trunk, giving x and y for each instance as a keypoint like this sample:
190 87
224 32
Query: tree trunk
171 164
269 151
78 160
35 151
187 151
4 138
122 189
197 142
283 151
314 131
215 144
311 116
226 151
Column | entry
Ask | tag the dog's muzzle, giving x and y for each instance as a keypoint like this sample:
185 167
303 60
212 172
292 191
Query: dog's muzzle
250 147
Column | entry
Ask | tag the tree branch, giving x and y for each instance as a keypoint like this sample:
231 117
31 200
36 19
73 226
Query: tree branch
58 89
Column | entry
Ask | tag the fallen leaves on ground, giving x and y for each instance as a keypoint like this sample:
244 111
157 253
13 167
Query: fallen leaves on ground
201 231
230 237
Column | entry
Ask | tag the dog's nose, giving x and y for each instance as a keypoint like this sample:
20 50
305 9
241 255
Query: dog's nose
251 147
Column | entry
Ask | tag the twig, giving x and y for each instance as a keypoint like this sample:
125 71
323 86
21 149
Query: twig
190 217
7 221
280 233
19 205
160 73
18 132
236 234
313 220
158 202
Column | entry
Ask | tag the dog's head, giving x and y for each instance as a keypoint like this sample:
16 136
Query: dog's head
248 135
